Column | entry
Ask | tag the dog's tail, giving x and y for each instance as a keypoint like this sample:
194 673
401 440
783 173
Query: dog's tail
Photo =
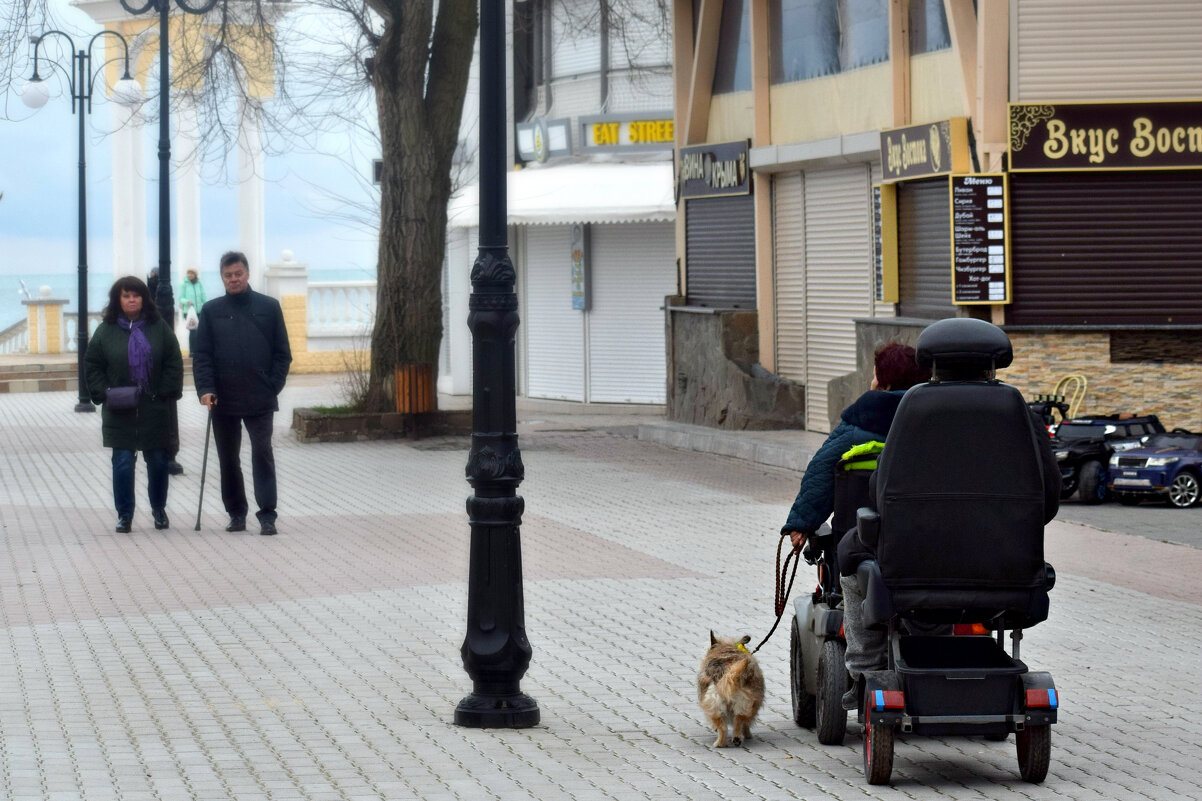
733 679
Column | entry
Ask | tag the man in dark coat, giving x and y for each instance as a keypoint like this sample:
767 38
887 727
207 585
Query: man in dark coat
239 366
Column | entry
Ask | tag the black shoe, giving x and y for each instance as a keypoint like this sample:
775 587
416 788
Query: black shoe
236 524
267 528
851 699
160 519
123 523
174 468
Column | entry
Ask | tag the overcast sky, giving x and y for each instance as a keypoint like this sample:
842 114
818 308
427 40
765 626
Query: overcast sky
39 210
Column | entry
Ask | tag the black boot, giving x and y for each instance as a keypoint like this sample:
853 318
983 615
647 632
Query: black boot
123 523
160 519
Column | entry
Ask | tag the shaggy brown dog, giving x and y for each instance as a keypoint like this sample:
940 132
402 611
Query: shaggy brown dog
730 688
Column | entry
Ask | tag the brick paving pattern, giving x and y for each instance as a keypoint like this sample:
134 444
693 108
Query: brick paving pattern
324 663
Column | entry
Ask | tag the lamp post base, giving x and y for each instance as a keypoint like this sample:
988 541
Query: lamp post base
84 407
517 711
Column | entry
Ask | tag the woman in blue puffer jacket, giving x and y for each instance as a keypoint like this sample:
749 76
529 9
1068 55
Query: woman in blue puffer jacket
895 370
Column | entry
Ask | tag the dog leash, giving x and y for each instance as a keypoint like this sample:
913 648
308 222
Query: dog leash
783 589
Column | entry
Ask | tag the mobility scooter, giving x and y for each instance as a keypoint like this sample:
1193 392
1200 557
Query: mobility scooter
958 506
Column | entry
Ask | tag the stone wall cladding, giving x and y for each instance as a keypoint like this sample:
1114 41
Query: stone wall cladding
716 380
1171 391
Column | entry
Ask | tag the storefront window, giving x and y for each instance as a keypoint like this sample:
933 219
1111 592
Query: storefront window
813 38
805 41
732 71
865 28
928 27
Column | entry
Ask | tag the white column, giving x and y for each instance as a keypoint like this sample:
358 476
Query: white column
188 253
252 239
129 192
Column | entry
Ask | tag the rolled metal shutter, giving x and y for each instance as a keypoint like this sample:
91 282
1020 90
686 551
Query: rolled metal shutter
838 230
632 270
721 252
1106 248
924 251
554 330
1106 50
576 39
789 267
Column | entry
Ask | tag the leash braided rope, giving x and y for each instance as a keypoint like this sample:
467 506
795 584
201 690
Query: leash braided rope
783 588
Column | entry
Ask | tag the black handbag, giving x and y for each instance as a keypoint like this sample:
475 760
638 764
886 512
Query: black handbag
122 399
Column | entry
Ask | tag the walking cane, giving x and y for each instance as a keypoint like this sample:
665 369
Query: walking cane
204 463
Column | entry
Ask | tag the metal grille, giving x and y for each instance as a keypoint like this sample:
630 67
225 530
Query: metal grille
924 250
721 252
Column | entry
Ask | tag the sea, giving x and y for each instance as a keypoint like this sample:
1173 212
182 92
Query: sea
65 285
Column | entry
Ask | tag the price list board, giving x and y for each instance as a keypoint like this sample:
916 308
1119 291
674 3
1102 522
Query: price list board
980 263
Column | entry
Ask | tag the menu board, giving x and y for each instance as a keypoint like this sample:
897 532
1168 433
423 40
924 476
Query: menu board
980 271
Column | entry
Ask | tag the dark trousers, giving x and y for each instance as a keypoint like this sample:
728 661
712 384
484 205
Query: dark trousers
123 479
227 435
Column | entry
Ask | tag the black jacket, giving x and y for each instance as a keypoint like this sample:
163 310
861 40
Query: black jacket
106 364
242 353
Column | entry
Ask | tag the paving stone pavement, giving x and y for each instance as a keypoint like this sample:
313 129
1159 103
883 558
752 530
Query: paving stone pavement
324 663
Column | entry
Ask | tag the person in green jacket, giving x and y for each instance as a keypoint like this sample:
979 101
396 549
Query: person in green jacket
191 296
135 346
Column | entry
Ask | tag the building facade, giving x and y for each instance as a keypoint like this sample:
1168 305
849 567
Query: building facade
590 204
1032 163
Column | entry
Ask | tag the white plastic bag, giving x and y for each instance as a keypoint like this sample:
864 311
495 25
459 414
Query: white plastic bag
192 320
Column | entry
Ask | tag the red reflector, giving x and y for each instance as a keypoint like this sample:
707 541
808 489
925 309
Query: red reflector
963 629
888 699
1042 699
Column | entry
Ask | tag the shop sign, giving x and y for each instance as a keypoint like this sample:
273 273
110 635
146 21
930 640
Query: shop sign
979 241
541 139
917 151
714 170
579 267
628 132
1106 136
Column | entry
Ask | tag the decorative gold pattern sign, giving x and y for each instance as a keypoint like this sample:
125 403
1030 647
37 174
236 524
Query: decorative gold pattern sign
918 151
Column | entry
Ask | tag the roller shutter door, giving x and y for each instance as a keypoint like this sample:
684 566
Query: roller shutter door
554 330
789 267
633 268
838 227
924 257
1121 248
1106 50
720 261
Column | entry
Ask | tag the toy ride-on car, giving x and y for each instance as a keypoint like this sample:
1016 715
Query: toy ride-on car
959 503
817 672
1167 466
1084 446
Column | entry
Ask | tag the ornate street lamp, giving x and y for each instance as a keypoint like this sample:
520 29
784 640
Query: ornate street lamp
81 80
165 296
495 651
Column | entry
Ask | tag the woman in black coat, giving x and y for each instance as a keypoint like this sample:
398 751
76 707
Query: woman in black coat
135 346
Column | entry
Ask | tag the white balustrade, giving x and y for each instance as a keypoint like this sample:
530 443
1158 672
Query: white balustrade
15 338
71 330
340 314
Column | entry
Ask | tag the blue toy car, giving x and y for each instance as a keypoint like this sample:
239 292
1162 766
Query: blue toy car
1167 466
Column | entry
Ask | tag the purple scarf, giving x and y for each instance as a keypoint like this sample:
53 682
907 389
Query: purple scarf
140 360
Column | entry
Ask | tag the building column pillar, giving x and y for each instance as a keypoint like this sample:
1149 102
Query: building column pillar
251 194
188 253
129 193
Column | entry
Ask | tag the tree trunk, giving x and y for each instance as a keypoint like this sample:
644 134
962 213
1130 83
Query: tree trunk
419 131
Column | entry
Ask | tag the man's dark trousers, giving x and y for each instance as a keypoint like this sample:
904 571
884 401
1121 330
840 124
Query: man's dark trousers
227 436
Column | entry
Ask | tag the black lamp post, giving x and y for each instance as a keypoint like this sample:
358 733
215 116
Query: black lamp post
165 295
495 651
81 80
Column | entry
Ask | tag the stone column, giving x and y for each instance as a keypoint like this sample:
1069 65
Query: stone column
46 329
251 192
129 193
288 281
188 255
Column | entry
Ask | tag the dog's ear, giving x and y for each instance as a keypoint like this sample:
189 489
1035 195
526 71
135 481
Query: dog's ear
713 639
746 639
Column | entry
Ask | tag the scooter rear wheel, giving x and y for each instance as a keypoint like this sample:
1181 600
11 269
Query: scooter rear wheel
878 752
803 702
831 717
1034 752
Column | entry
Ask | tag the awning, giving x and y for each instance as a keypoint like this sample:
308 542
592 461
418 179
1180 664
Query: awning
577 193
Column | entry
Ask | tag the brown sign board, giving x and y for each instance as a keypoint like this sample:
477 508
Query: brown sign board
917 151
1106 136
980 260
714 170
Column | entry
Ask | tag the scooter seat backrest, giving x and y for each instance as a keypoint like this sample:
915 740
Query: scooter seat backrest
960 495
